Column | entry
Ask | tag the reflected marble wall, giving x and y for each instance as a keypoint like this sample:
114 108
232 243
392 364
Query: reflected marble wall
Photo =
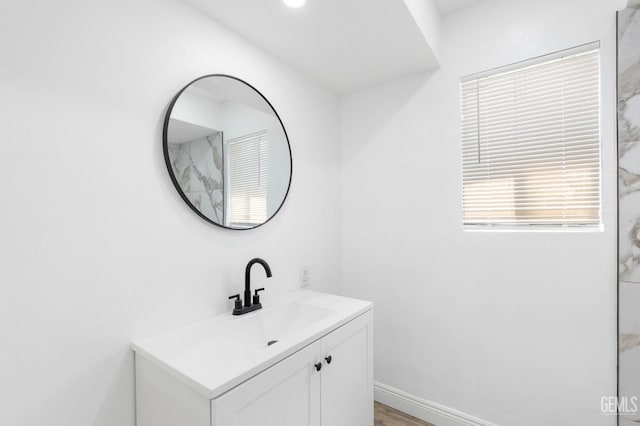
197 165
629 202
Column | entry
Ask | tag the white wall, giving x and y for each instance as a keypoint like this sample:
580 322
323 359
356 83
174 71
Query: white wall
518 328
97 247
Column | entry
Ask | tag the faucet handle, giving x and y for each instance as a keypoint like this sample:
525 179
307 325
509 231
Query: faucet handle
238 303
256 296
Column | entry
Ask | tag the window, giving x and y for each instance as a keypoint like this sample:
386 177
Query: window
246 180
531 143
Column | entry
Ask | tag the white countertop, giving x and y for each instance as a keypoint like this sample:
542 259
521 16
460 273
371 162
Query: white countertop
218 353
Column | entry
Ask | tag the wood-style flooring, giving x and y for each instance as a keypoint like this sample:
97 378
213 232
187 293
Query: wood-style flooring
387 416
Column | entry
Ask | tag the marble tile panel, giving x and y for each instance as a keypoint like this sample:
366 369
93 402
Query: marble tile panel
629 206
201 166
629 167
628 34
180 165
207 175
209 205
629 75
629 316
206 157
629 193
629 348
630 379
198 167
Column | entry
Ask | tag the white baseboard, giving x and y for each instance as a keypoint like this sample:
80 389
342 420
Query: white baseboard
428 411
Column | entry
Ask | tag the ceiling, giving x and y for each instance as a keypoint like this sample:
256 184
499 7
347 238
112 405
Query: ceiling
181 131
224 89
345 45
448 6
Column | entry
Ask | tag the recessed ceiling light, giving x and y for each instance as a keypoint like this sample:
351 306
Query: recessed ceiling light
294 3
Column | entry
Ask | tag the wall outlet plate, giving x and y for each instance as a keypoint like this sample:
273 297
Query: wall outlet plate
305 276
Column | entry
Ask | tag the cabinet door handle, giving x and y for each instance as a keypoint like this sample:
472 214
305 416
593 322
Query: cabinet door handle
318 366
328 359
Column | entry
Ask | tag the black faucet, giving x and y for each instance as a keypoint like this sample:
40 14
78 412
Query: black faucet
248 305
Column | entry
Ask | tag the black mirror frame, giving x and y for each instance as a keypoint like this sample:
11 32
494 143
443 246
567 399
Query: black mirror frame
165 148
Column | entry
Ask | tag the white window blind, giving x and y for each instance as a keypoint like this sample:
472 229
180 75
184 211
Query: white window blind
246 180
531 143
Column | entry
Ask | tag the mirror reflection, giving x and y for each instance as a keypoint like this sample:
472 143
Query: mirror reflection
227 152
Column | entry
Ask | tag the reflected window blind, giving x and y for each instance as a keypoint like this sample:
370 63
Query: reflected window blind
531 142
247 180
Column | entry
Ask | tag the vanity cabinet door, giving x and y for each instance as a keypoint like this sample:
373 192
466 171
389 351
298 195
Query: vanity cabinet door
347 377
287 394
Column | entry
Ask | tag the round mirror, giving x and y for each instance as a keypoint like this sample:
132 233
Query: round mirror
227 152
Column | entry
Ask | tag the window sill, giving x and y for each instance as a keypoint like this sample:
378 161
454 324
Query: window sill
532 228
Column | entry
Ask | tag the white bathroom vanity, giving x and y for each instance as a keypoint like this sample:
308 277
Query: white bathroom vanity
305 359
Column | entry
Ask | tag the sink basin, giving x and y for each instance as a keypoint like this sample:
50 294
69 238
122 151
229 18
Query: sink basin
242 340
216 354
282 322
